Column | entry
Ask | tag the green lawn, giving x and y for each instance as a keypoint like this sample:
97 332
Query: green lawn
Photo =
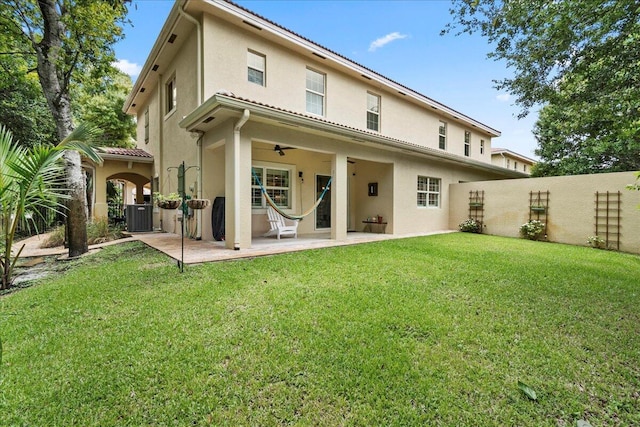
430 331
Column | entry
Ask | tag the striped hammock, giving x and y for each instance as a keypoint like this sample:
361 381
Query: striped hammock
280 211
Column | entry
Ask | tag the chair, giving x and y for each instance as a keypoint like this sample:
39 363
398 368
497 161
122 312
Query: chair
279 226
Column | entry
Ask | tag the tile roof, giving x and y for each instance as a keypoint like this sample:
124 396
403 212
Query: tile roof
128 152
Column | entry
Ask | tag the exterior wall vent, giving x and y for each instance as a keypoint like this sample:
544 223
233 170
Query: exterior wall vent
252 25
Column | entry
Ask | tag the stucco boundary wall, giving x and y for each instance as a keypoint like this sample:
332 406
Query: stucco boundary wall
571 213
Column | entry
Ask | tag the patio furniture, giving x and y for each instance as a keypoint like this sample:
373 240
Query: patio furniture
279 226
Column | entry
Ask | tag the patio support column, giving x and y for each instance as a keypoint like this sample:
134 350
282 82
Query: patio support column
339 220
100 209
238 188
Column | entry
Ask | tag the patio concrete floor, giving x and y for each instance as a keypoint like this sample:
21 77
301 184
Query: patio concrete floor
199 251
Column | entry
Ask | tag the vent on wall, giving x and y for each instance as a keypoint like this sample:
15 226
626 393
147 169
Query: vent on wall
252 25
172 38
208 119
155 67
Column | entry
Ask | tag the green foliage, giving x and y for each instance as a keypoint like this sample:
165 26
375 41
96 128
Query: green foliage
23 108
532 230
471 226
99 100
98 231
432 331
31 178
596 242
636 185
579 59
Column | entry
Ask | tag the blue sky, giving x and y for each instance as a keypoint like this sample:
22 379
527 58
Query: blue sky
398 39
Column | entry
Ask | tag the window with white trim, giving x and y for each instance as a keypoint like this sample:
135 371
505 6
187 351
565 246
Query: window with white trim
256 67
442 135
428 192
373 112
482 146
315 92
515 165
277 183
508 164
170 94
467 143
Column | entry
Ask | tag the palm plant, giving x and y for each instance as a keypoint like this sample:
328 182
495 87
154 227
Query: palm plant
32 178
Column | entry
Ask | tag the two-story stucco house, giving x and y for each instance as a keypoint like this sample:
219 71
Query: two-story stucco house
229 91
511 160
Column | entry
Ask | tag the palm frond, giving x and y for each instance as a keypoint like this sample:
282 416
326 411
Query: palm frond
81 140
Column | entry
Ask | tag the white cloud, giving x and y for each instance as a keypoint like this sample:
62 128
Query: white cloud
504 97
378 43
127 67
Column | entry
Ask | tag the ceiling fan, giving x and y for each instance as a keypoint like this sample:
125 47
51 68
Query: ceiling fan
280 150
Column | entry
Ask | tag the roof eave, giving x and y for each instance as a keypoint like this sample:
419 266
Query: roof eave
123 158
153 55
219 101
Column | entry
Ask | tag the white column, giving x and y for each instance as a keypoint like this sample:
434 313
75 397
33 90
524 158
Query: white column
339 192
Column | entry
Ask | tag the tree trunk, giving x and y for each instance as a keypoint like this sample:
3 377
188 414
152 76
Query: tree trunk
55 86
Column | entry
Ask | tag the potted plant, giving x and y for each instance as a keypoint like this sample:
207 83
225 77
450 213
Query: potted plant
198 203
170 201
538 208
475 204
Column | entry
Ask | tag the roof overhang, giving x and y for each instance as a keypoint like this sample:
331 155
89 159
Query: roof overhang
512 154
122 158
221 107
162 52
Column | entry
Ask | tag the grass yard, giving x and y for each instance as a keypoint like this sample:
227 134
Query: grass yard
430 331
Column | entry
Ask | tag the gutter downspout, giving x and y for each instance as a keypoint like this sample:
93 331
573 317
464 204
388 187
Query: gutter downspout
199 97
236 177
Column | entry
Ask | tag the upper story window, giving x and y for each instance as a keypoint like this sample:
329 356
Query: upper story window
515 165
442 135
524 168
482 146
373 112
508 163
428 192
146 125
315 92
277 183
256 66
170 94
467 143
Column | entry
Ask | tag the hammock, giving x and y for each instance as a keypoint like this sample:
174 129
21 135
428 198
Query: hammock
279 210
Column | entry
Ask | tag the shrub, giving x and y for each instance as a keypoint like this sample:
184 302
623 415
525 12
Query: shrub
98 231
596 242
532 230
471 226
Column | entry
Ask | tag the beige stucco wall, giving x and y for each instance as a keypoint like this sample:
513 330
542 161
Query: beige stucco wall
571 214
225 64
396 174
225 67
136 173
